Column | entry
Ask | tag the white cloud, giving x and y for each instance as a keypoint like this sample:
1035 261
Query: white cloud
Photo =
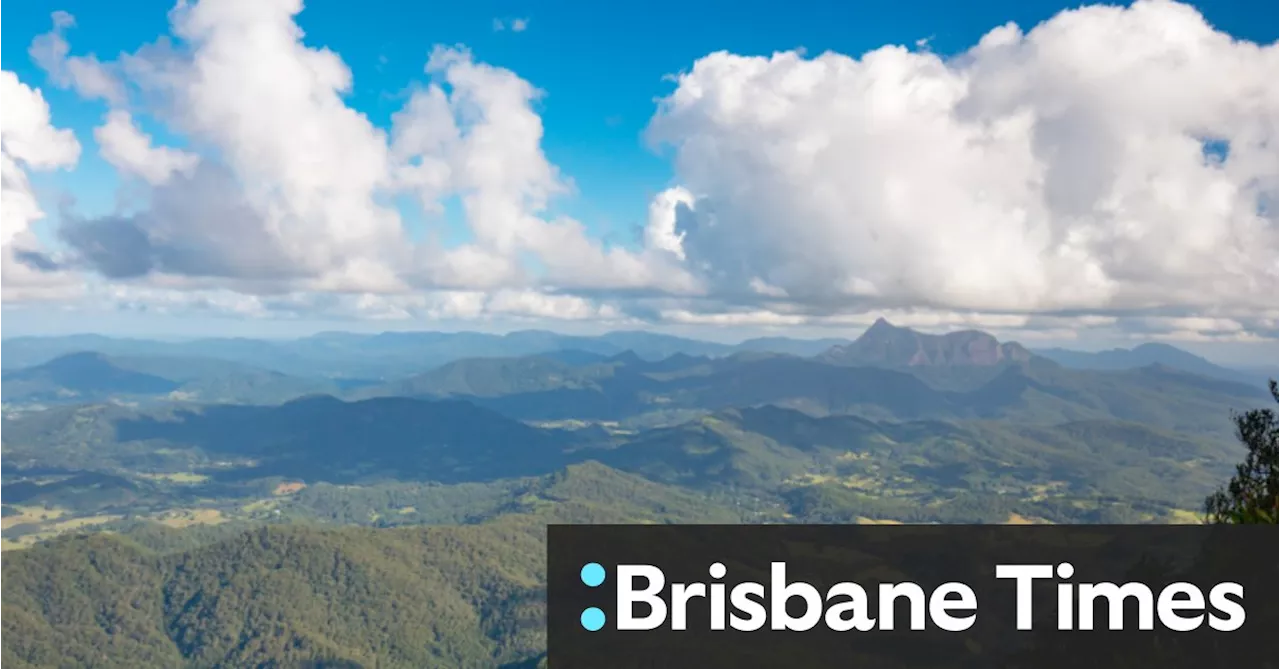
482 141
1049 181
130 150
27 135
1061 169
290 191
661 231
514 25
28 141
85 74
453 305
295 187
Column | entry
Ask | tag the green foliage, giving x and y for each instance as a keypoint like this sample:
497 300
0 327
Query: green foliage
80 375
1250 496
492 377
288 595
281 596
88 492
164 539
928 465
965 376
418 539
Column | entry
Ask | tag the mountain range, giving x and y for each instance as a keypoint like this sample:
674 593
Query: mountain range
887 345
350 355
623 365
350 501
1151 353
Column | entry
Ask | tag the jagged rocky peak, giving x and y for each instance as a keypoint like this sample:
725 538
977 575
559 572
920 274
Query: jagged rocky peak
889 345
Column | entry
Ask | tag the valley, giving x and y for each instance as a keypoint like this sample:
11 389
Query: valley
174 474
896 426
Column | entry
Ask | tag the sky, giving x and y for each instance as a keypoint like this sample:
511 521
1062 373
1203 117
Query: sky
1090 175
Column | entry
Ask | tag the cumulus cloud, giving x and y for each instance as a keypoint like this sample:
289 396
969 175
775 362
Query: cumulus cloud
289 190
1060 169
481 141
295 184
662 231
1109 168
197 225
28 141
85 74
129 149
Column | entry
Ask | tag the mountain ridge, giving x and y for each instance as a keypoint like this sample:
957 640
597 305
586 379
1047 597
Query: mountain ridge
885 344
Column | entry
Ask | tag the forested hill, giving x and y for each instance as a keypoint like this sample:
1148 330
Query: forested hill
298 594
282 596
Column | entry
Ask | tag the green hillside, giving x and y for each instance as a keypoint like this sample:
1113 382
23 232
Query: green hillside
287 595
401 523
281 596
921 470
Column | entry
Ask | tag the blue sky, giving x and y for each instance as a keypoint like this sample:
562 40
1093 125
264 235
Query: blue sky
602 67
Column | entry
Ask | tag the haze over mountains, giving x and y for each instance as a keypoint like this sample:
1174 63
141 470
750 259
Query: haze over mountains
886 345
424 464
389 353
81 368
1101 174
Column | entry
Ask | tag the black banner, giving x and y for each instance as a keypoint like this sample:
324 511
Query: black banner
912 596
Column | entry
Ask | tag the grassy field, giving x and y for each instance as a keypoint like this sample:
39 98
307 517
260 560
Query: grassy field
49 530
188 517
187 478
30 514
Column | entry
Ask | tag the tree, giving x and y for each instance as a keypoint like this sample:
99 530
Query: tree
1250 497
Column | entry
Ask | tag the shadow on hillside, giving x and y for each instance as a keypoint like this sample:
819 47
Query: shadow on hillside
322 438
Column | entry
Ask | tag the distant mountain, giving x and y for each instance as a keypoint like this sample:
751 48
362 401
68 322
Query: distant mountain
323 438
769 448
1142 356
628 388
82 376
798 347
571 356
957 361
345 355
493 377
886 345
89 377
209 380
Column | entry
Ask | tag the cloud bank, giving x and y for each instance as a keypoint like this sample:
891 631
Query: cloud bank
1109 168
28 141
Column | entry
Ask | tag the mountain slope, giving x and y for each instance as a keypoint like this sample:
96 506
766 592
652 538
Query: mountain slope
84 376
956 361
308 596
87 377
1037 390
323 438
281 596
492 377
392 354
769 449
210 380
1142 356
886 345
